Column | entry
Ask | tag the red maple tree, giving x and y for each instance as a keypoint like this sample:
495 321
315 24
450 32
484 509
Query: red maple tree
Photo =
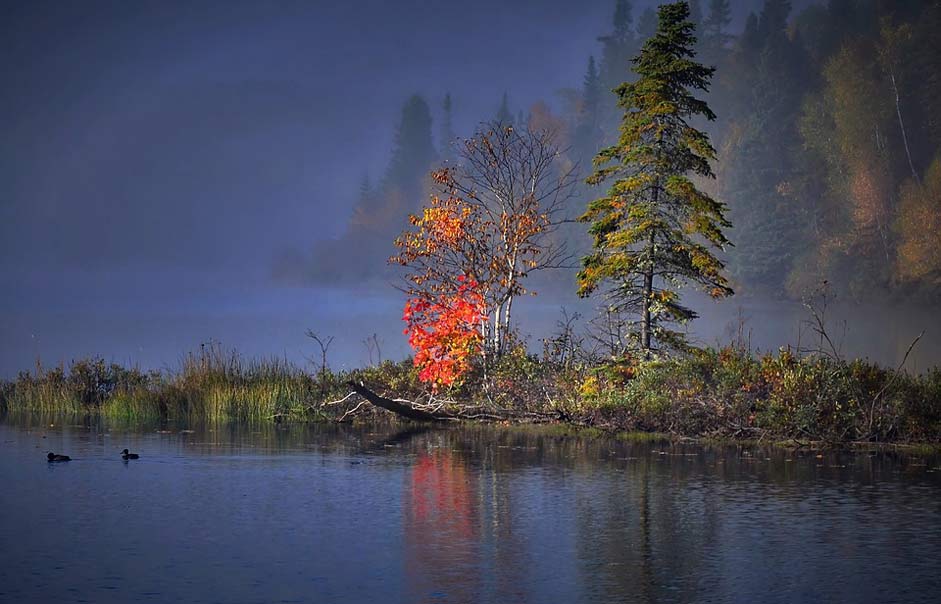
444 332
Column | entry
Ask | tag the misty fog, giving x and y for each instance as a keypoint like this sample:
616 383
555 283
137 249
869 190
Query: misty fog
175 173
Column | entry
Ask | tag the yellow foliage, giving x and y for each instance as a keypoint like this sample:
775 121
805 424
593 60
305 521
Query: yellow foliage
869 197
590 387
919 228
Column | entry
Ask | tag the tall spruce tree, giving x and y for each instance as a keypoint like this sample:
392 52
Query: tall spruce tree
617 48
654 231
591 89
772 24
447 129
750 41
413 150
587 131
713 27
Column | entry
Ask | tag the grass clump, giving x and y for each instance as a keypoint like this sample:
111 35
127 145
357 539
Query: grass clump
730 392
212 384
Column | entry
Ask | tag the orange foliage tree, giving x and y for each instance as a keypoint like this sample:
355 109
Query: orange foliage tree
444 333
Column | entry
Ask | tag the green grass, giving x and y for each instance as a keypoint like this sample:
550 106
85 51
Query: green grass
211 385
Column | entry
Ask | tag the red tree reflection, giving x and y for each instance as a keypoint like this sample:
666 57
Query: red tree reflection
441 529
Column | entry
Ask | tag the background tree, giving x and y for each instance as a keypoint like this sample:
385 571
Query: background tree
654 229
413 150
714 39
413 154
587 131
504 116
893 52
380 209
617 48
750 41
919 228
448 137
762 151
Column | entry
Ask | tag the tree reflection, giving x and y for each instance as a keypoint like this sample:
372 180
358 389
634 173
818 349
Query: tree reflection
442 553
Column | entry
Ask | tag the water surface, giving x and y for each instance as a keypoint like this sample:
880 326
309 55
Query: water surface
238 513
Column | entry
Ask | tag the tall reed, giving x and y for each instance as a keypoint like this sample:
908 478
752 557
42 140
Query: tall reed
211 384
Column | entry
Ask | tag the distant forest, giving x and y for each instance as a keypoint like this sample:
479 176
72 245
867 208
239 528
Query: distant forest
828 136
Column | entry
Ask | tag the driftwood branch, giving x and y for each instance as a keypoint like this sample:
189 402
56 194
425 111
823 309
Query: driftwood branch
436 412
875 399
338 401
405 410
352 411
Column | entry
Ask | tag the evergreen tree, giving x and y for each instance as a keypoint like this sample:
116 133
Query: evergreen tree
413 150
772 23
381 211
764 161
824 28
766 226
368 204
591 87
622 19
587 132
750 42
713 27
504 115
654 230
447 129
617 48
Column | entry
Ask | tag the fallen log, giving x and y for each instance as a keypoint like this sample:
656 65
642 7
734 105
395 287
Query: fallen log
472 413
407 411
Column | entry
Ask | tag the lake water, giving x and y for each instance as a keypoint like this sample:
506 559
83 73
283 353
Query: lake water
477 514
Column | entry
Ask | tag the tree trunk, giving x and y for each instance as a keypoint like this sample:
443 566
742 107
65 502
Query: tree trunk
506 315
497 329
645 327
397 407
898 111
466 413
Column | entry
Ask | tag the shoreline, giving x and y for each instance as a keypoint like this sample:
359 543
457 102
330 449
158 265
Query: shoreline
34 420
727 394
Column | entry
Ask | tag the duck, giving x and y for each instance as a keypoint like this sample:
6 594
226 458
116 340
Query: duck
125 455
53 457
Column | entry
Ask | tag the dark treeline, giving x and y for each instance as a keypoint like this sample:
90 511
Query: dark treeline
829 147
828 140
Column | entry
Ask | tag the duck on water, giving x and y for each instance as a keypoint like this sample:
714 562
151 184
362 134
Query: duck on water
52 457
125 455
